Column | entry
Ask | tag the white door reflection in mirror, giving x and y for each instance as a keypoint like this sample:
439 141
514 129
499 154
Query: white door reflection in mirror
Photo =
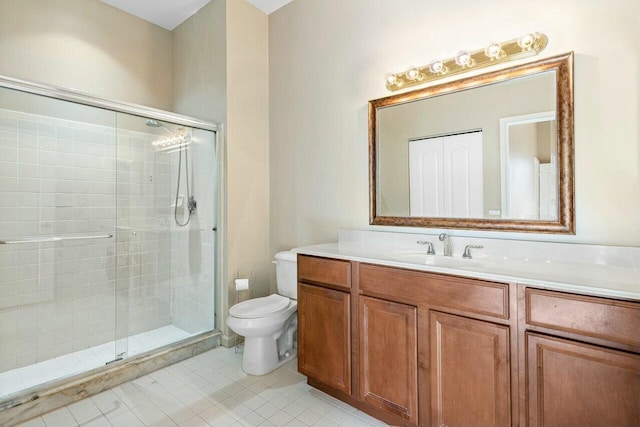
445 176
528 161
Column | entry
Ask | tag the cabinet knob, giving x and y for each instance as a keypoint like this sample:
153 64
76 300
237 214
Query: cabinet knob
442 425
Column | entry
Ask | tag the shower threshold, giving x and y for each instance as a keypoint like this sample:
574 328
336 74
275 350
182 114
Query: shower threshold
35 374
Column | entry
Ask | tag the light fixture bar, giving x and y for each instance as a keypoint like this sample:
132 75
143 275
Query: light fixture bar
494 53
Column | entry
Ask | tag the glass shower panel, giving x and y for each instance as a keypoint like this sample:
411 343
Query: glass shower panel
193 246
165 227
57 249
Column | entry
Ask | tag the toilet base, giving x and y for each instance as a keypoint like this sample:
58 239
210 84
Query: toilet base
261 355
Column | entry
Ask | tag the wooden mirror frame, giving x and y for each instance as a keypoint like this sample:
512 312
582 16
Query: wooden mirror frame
563 66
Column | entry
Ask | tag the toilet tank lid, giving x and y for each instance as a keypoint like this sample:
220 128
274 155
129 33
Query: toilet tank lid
286 256
259 307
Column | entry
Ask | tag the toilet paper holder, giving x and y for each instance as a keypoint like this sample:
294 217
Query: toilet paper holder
242 283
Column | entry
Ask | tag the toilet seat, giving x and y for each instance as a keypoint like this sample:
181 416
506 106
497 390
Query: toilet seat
259 307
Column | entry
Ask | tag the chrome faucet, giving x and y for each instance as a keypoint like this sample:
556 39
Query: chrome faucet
430 250
467 250
446 244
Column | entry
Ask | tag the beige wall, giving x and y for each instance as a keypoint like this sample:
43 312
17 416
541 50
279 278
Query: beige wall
247 147
328 58
199 64
87 46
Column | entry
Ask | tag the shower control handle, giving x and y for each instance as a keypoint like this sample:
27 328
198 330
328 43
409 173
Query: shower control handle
192 204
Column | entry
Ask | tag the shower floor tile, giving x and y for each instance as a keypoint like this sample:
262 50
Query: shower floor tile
210 390
80 361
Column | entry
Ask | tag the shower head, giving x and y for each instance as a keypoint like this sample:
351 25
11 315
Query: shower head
156 124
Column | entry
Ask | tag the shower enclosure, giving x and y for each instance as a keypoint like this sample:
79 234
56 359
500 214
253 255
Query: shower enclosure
107 232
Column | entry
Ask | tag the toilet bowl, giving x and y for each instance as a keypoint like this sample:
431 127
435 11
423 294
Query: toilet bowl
269 324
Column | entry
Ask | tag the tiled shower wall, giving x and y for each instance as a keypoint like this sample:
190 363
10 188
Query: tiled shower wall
193 246
58 177
143 279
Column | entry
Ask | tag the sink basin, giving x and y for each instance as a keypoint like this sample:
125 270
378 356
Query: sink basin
420 257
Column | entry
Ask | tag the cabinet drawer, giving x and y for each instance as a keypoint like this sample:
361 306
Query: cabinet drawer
323 270
601 318
417 287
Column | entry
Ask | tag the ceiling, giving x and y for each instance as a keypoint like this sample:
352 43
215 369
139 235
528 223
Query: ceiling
268 6
169 14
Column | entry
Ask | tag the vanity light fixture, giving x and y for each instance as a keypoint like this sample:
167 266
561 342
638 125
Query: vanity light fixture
526 41
463 59
413 74
437 67
526 45
391 79
493 51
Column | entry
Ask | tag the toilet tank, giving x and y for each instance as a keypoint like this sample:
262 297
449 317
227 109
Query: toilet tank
287 274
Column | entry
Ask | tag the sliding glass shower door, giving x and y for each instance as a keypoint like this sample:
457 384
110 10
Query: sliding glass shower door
57 227
165 227
107 236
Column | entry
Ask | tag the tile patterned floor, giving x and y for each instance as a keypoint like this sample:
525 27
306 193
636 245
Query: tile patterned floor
84 360
210 390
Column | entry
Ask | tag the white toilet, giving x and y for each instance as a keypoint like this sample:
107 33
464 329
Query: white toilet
269 324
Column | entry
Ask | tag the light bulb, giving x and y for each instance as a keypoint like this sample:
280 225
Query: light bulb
436 66
412 73
493 50
526 41
391 79
463 58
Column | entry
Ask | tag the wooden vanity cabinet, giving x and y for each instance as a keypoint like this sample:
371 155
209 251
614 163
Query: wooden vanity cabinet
388 358
414 348
324 322
581 376
457 367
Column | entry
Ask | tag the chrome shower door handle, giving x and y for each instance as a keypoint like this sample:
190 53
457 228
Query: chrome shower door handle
54 239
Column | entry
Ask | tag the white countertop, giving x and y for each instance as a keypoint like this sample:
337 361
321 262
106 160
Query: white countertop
615 281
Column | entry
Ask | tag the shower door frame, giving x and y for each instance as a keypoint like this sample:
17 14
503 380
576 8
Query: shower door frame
219 220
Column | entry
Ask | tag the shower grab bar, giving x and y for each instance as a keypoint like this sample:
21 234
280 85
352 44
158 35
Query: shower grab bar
54 239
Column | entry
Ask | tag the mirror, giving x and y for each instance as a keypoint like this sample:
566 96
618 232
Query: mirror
491 152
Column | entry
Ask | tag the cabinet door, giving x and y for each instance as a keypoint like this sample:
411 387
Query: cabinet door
388 357
324 336
575 384
469 361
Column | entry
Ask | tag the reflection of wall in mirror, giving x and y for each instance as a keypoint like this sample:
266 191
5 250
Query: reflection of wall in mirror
478 108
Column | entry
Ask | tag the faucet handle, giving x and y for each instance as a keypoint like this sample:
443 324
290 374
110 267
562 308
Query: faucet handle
430 250
467 250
